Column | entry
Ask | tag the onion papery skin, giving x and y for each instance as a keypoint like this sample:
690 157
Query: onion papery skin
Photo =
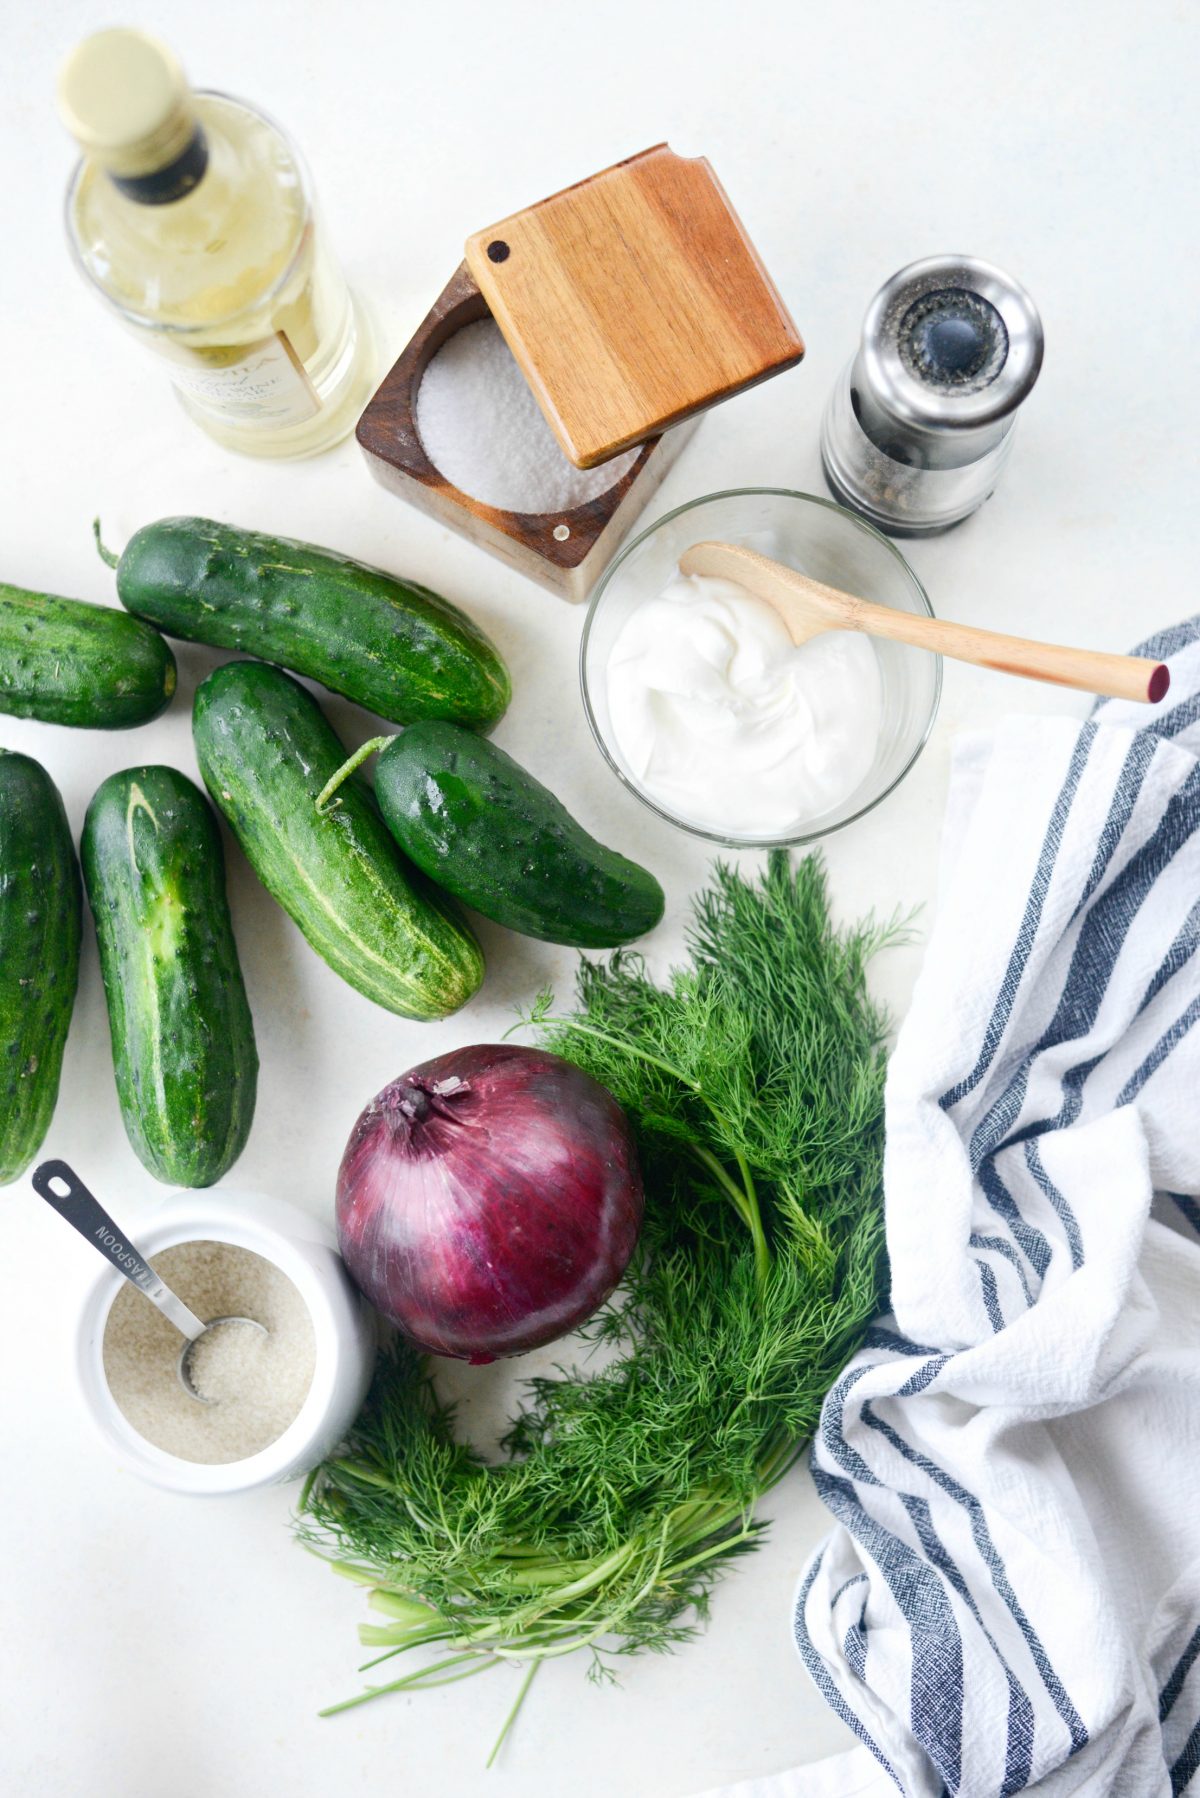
489 1200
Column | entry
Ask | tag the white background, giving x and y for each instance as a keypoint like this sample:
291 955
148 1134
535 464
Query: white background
154 1646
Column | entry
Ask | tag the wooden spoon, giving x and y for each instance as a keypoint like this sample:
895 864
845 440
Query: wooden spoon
809 607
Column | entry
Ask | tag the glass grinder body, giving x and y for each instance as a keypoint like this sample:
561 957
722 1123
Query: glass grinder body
920 423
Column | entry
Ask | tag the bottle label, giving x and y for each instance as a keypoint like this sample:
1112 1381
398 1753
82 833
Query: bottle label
262 383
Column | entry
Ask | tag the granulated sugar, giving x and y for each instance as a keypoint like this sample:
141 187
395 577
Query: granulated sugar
257 1383
482 428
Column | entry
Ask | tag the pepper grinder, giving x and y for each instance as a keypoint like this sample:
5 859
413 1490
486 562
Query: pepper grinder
920 423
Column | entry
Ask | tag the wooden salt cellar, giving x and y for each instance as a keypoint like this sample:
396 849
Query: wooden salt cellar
564 551
632 302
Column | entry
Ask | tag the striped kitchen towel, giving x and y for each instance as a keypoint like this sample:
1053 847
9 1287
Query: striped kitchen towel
1011 1595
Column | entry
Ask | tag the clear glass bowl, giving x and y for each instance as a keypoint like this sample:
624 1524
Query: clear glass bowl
821 540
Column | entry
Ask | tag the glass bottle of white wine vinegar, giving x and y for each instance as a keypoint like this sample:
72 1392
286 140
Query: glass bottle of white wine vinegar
192 215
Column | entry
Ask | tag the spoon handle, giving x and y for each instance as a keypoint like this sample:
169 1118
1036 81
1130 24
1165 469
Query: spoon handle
61 1187
1093 670
809 607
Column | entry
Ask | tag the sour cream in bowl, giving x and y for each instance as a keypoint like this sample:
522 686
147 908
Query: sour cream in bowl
728 724
704 707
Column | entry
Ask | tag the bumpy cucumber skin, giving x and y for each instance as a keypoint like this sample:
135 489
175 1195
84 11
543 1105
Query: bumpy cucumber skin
64 661
39 955
487 831
390 645
182 1036
266 750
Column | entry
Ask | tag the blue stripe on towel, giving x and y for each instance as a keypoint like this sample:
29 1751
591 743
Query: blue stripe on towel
991 1295
1018 1757
1185 1766
1178 1674
1189 1208
1159 1053
1100 942
996 1131
936 1691
1171 641
924 1375
855 1579
1108 923
1138 761
821 1678
1001 1246
1184 946
879 1336
994 1563
1027 1236
1027 933
1187 941
854 1644
1033 1160
832 1433
1072 1082
1179 719
1074 1079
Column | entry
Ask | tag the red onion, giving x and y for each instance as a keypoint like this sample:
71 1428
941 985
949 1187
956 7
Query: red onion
489 1200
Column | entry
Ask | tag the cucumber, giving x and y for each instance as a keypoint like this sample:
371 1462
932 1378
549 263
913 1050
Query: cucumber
67 662
266 750
475 821
182 1036
388 644
39 954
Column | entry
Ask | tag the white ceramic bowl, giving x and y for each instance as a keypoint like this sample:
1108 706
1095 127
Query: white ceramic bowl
303 1249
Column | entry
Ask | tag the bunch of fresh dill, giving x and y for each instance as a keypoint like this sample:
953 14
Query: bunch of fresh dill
754 1084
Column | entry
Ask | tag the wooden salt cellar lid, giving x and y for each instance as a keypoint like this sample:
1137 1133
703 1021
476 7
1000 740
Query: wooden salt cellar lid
631 301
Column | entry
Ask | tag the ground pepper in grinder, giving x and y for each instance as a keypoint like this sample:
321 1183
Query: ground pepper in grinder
920 424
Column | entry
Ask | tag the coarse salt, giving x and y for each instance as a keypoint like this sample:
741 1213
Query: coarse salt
483 430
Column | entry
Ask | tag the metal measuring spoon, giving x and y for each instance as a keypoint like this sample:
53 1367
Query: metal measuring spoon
62 1188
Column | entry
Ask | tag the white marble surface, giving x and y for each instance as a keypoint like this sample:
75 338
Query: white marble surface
153 1646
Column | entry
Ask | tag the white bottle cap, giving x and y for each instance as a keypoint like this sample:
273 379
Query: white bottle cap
122 95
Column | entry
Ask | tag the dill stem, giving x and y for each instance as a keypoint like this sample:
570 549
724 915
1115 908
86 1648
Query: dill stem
517 1551
360 1471
716 1521
402 1606
512 1715
705 1512
628 1048
362 1576
745 1534
745 1202
777 1461
396 1636
388 1654
521 1647
732 1191
549 1575
762 1254
599 1573
483 1664
419 1676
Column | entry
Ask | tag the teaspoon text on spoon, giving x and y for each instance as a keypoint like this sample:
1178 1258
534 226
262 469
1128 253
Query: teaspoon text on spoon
62 1188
